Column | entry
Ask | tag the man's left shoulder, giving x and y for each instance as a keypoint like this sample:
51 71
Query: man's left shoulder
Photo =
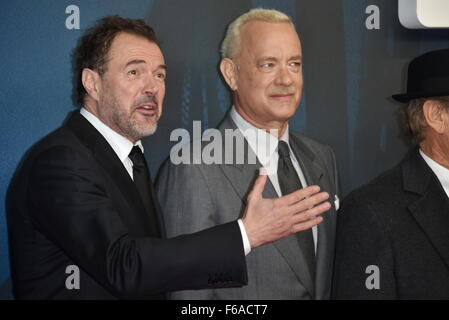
311 145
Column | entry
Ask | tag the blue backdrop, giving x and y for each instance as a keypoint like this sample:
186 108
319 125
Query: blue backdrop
350 72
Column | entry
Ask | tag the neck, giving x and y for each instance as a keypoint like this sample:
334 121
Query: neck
275 128
436 151
94 109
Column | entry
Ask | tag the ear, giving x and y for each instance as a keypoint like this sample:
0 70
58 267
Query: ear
435 116
229 71
91 82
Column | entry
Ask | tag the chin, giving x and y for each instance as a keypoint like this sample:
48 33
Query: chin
285 114
151 130
143 131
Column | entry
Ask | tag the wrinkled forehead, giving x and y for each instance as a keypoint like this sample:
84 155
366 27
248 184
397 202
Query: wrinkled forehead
130 46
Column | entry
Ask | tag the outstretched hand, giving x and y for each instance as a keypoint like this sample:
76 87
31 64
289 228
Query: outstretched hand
267 220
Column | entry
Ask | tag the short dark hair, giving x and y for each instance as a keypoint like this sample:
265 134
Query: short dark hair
93 47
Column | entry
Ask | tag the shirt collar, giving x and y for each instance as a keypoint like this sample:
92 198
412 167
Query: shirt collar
121 145
441 172
261 142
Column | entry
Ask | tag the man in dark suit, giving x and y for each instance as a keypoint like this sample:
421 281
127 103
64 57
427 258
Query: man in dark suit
262 65
83 218
393 234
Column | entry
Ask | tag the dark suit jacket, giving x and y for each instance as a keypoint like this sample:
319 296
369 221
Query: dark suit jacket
72 202
400 223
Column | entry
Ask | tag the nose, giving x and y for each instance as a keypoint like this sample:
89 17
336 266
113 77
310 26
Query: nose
284 77
151 86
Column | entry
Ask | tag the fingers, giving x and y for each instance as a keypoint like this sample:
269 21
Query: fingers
309 218
309 202
259 184
311 213
298 195
306 225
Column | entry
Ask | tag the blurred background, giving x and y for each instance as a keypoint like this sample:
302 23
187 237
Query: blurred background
350 72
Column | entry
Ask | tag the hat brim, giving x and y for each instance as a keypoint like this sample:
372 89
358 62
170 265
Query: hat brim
406 97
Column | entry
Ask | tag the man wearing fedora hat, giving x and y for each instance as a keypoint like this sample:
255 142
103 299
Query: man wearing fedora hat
393 234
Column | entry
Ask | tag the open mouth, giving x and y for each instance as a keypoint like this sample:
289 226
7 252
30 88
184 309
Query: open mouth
148 110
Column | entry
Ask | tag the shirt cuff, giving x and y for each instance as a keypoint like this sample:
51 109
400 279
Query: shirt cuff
246 244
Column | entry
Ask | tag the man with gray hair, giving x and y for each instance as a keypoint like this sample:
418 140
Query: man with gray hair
393 234
262 66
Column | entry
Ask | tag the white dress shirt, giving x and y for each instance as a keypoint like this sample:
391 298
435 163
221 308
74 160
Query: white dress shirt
441 172
122 147
265 145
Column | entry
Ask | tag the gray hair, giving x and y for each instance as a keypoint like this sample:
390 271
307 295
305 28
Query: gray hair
231 42
414 116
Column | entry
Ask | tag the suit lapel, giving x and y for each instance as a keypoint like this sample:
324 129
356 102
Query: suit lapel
107 158
431 209
314 174
242 177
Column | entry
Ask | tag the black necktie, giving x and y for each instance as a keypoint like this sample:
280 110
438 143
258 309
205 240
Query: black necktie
289 182
142 181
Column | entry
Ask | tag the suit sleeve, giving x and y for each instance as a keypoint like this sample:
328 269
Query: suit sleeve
364 265
71 207
334 171
188 206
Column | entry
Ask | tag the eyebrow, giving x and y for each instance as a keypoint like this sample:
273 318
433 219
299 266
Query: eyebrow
298 57
135 62
161 66
269 58
266 59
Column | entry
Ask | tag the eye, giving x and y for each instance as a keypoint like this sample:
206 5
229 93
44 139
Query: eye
161 75
295 65
132 72
267 65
